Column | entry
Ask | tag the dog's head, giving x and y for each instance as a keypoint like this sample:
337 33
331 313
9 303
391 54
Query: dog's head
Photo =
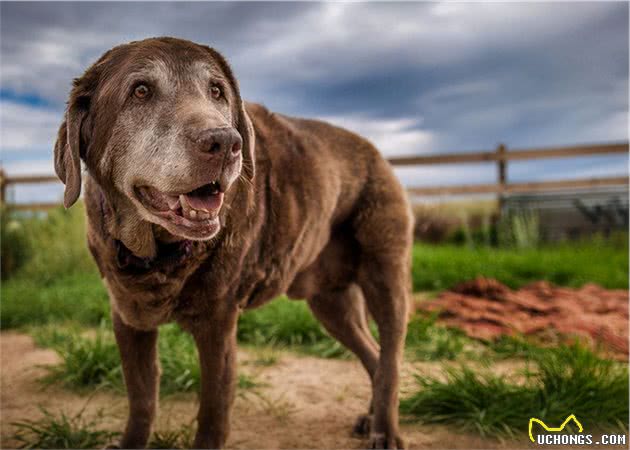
161 126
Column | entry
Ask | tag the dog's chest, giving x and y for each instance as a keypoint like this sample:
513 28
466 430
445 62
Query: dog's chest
147 296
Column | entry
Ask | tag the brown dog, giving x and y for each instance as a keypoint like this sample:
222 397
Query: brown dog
200 206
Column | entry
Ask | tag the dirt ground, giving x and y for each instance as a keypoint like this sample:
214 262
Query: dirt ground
304 402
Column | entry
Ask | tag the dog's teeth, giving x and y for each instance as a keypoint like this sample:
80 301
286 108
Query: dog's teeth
173 202
193 214
185 205
204 215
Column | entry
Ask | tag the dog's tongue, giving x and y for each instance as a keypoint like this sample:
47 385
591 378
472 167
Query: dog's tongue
209 203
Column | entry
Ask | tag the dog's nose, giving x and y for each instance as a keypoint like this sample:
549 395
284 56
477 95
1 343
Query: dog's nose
218 141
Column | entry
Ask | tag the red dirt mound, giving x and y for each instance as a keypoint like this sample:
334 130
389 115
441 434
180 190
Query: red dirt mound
486 309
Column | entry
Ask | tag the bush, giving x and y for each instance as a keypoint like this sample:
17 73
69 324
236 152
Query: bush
16 248
432 225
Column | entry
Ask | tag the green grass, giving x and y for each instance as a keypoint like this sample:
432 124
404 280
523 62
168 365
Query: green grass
56 244
86 362
427 341
246 381
264 356
59 285
288 323
182 437
61 431
78 297
562 381
91 360
59 281
437 267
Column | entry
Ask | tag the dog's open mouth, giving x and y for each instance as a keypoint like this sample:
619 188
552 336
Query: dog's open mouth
196 208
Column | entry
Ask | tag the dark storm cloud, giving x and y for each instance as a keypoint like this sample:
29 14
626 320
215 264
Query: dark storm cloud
414 77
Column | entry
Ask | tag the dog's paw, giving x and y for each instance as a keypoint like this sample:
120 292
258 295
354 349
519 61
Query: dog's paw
362 426
381 441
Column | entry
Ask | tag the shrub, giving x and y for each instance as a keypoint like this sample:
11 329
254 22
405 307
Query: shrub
432 225
16 248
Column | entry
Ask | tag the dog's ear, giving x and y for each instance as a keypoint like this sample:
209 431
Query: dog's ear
246 129
70 147
243 122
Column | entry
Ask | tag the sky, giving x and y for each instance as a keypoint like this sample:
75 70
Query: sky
414 78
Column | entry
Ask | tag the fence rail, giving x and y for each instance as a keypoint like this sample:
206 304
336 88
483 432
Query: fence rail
512 155
501 156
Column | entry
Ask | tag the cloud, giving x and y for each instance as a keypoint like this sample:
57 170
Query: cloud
25 128
413 77
393 137
30 167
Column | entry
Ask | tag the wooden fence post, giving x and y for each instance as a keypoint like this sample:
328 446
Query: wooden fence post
502 174
3 187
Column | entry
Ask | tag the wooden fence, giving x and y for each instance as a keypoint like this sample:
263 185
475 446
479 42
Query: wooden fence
500 157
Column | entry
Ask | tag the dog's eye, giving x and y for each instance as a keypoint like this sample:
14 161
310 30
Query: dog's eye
141 91
216 92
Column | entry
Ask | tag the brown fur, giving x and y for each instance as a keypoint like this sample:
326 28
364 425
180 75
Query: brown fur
312 210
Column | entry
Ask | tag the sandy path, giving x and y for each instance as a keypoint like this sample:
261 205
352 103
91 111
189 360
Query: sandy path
305 402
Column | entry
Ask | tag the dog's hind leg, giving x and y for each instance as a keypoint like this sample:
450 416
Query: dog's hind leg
383 229
342 312
387 303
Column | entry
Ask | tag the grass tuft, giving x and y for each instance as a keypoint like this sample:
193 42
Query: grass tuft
264 356
61 431
427 341
566 380
181 437
86 362
246 381
178 358
288 323
92 360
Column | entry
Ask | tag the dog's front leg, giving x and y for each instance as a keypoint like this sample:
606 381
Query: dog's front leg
216 344
138 353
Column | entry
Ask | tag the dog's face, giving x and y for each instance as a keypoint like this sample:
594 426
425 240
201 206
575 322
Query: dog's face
161 123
